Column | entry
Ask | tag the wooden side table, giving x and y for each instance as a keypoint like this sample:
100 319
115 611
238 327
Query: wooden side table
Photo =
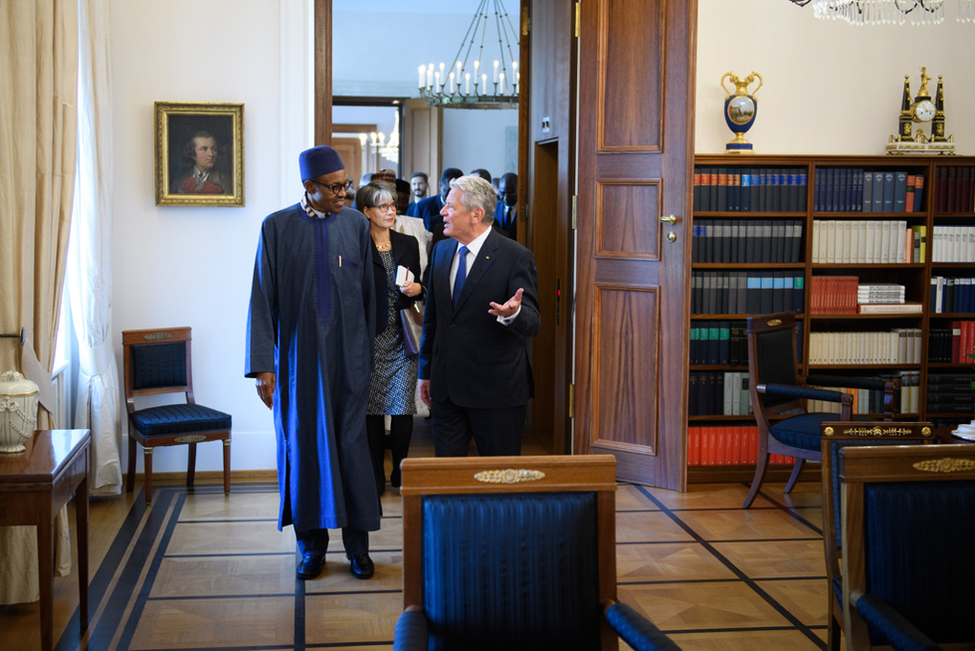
34 485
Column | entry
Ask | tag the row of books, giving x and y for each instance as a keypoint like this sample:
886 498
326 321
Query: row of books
955 189
953 244
717 393
871 401
950 393
747 240
747 292
845 295
950 295
868 241
718 342
953 344
727 446
736 189
896 346
845 189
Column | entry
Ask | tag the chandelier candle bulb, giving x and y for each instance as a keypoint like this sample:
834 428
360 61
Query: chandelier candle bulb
501 82
467 83
495 72
430 76
450 84
484 83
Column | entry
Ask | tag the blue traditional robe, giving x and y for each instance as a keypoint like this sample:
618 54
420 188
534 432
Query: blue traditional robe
311 322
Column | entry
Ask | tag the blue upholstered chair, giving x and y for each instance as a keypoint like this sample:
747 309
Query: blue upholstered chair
908 517
158 361
513 553
835 437
776 387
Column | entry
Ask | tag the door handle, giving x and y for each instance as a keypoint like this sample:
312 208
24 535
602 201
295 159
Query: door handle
670 219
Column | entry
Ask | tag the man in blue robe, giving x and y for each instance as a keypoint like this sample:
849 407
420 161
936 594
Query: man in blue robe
309 345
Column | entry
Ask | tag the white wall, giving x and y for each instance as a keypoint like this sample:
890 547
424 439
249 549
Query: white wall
478 138
176 266
830 87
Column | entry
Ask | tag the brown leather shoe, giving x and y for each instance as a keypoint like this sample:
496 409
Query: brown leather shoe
310 566
362 566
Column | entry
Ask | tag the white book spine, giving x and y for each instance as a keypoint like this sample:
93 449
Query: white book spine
831 242
885 246
846 235
855 242
901 241
815 242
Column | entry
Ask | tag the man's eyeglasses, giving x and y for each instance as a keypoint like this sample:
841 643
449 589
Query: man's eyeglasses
338 187
386 207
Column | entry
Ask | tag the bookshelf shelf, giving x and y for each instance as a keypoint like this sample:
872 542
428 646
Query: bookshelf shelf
946 198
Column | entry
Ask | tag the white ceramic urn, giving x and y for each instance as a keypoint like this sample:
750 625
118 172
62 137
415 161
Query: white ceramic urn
18 411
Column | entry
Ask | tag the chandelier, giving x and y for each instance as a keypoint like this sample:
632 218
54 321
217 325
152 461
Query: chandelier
379 147
888 12
471 82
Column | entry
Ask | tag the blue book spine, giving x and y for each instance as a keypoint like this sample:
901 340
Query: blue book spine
889 191
867 192
803 188
878 192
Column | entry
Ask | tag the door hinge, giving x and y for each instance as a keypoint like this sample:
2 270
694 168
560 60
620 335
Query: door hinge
575 210
578 29
572 401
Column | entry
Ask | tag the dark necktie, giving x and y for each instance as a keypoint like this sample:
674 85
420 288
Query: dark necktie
461 274
507 216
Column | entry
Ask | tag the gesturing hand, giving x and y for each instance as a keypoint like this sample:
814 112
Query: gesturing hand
265 388
510 307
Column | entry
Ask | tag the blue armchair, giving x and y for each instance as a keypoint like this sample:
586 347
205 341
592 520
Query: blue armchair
513 553
908 516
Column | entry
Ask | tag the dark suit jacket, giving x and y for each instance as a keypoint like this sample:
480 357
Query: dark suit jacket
465 353
406 252
411 209
509 228
428 209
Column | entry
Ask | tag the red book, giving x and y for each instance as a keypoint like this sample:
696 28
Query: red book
909 201
753 445
967 341
709 445
690 446
736 446
955 342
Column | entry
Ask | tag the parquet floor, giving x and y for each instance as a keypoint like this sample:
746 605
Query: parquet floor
201 571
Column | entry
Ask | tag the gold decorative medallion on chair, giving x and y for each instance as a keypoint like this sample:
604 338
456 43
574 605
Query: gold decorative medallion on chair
776 387
156 362
514 553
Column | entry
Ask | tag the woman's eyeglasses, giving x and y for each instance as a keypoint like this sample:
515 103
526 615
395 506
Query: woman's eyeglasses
386 207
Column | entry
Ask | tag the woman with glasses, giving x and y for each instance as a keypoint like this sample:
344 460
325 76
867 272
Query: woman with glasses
393 383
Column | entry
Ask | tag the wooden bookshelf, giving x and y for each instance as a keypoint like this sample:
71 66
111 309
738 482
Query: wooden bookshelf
947 200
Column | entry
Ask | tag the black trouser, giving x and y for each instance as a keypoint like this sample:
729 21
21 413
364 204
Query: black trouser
400 433
315 541
497 432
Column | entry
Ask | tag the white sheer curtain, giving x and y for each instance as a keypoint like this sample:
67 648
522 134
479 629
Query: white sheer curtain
89 252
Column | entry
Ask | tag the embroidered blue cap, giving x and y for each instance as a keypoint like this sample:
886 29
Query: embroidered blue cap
319 161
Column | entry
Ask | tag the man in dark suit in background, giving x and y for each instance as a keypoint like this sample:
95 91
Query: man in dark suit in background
418 184
481 309
506 213
429 209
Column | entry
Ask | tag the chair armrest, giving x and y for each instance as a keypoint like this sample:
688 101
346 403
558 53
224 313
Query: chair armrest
902 635
411 631
888 386
797 392
636 630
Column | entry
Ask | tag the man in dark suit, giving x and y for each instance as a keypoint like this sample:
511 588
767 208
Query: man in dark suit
506 213
481 308
429 209
418 185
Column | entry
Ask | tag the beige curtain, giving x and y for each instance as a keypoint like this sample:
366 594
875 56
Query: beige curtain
38 87
90 252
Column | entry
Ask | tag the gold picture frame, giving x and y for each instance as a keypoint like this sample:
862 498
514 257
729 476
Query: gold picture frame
191 136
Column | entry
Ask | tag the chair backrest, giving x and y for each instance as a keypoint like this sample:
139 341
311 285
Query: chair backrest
908 527
511 552
157 361
837 435
772 358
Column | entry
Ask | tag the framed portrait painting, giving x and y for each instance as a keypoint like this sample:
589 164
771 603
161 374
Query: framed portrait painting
199 154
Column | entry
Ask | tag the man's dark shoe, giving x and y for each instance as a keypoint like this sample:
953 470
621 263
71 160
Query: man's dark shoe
310 566
362 567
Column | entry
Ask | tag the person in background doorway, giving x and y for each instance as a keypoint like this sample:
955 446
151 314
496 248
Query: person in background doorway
419 183
483 173
310 332
506 213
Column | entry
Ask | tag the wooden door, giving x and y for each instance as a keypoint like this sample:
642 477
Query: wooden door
635 161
